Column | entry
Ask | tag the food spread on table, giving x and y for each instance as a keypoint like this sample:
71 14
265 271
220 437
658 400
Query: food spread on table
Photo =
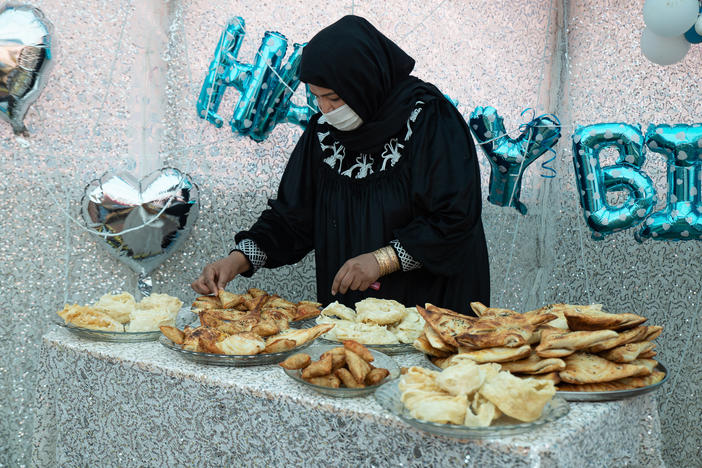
122 313
246 324
580 348
374 321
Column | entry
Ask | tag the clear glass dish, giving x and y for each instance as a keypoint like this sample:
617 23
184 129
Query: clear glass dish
381 360
388 396
389 349
231 360
184 316
590 396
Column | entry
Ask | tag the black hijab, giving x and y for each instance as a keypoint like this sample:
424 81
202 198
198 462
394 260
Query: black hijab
370 73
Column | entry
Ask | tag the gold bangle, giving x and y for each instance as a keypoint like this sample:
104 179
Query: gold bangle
387 260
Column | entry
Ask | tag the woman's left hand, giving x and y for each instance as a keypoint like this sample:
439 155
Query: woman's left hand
356 274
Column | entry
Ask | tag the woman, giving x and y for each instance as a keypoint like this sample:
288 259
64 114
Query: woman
384 185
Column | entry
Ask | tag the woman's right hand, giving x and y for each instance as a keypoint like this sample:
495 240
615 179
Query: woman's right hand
215 276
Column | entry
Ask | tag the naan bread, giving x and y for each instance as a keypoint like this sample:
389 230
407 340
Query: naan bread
117 306
628 383
497 354
88 317
551 376
522 399
339 310
462 379
584 368
442 409
488 332
534 364
423 345
564 343
555 309
481 412
622 338
365 333
379 311
435 340
593 318
447 324
628 352
409 328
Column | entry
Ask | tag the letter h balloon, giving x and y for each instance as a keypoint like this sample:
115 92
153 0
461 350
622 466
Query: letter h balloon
265 86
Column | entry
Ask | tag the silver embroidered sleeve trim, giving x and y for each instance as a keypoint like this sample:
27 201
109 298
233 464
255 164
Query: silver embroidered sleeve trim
256 256
407 262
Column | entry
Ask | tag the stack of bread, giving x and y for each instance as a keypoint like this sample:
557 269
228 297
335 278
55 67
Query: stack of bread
246 324
579 348
375 321
122 313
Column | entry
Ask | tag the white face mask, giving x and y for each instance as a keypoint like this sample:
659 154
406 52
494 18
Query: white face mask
343 118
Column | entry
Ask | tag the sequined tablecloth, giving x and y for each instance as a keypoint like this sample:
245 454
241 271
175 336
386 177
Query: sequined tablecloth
140 404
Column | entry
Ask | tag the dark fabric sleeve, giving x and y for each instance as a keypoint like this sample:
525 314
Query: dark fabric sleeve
445 193
284 231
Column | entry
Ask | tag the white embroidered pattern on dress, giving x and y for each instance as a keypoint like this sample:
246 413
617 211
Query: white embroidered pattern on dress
335 152
250 249
406 260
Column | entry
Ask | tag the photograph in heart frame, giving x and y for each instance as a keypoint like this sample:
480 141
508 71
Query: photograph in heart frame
141 222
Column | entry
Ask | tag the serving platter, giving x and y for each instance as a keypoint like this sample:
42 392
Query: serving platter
380 360
591 396
231 360
389 397
184 316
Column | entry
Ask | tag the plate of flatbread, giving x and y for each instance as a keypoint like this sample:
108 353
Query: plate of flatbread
587 352
390 397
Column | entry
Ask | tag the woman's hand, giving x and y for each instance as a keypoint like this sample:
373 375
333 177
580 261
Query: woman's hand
356 274
215 276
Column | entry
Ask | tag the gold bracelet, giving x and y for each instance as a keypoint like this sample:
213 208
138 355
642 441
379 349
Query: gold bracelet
387 260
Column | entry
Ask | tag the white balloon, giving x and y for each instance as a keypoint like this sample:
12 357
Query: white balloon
663 50
698 26
670 18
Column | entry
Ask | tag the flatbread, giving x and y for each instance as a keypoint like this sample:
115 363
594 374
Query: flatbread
551 376
593 318
496 354
423 345
522 399
435 340
627 336
628 383
585 368
534 364
446 325
487 332
564 343
628 352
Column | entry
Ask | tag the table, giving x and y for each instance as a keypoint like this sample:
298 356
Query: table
140 404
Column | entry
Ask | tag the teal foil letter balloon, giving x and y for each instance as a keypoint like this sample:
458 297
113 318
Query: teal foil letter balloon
681 218
509 157
265 86
594 181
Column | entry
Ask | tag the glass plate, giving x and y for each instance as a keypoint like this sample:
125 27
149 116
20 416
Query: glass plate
389 349
591 396
231 360
381 360
388 396
614 394
184 316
